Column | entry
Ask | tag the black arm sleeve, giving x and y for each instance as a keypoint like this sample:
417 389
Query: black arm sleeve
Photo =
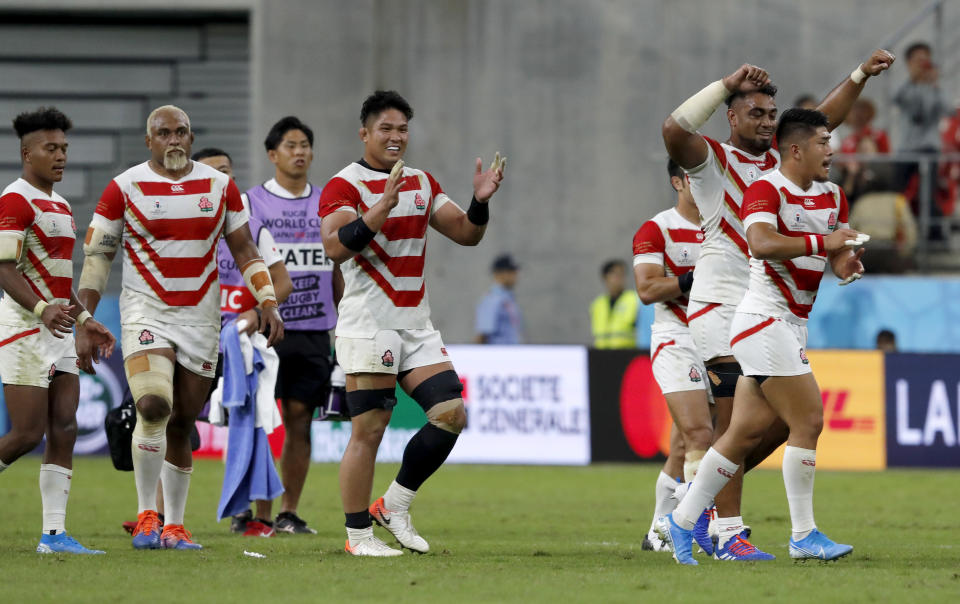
478 213
686 281
356 235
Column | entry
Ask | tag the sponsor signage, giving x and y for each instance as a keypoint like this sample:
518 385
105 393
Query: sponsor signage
628 414
852 389
923 410
525 404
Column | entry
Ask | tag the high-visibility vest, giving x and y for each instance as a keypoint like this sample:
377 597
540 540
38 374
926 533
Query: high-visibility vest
614 327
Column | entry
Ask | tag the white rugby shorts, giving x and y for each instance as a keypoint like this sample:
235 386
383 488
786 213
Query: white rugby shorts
30 355
676 364
195 345
709 324
391 351
768 346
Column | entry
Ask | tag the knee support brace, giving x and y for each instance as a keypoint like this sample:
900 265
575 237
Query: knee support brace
150 374
723 378
361 401
439 396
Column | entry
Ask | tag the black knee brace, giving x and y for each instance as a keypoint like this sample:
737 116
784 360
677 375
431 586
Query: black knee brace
361 401
444 386
723 378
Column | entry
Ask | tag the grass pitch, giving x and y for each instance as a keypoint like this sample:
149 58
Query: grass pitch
497 534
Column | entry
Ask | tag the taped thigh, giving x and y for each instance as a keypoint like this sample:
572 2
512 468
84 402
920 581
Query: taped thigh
150 374
361 401
438 388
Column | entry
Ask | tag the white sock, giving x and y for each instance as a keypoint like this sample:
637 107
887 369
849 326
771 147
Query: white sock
148 454
176 483
799 466
398 498
355 536
715 471
665 503
690 466
54 492
3 466
728 528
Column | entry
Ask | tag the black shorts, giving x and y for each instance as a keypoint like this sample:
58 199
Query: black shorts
305 364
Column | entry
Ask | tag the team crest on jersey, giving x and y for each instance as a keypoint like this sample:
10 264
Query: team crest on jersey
751 174
205 205
419 202
53 371
684 255
797 218
694 375
146 337
832 221
803 357
387 359
156 210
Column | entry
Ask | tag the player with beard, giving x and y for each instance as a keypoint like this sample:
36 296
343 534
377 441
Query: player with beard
719 173
38 361
168 214
795 221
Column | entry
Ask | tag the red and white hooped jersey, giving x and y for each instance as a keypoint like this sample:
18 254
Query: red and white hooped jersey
673 242
170 230
718 185
383 284
786 289
41 227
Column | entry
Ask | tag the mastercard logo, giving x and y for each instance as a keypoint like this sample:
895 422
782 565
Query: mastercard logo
643 410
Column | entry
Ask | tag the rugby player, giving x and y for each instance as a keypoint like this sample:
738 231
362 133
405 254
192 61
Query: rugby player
169 213
38 311
718 174
375 216
795 221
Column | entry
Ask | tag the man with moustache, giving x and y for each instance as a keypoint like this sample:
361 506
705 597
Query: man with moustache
168 213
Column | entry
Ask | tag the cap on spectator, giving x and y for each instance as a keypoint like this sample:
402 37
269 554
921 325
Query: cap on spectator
504 262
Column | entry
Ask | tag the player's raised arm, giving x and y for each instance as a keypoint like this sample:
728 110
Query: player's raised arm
468 228
684 144
838 102
258 280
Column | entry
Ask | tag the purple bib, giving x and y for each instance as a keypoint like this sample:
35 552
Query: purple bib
295 227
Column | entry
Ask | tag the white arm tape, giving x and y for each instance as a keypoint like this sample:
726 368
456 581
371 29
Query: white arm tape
695 111
96 263
257 278
11 245
858 75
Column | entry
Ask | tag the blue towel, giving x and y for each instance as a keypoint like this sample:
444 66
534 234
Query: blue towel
250 473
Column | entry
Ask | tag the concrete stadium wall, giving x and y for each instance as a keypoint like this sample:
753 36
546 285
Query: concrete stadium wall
573 92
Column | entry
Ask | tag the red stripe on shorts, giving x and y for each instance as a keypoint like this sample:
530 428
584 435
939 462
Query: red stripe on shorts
22 334
703 311
749 332
659 348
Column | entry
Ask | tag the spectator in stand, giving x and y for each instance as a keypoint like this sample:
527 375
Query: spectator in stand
922 104
859 121
886 340
806 101
613 314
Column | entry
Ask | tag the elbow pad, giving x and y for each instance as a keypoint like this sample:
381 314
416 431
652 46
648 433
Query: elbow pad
356 235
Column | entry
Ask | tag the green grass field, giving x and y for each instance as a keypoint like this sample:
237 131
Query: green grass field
497 534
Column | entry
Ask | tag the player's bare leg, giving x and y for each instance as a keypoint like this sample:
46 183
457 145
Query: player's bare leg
294 463
27 421
358 464
775 436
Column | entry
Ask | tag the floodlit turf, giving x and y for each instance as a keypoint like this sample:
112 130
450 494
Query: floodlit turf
498 534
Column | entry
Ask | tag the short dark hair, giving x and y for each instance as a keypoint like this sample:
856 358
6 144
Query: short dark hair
210 152
609 265
886 335
674 169
380 101
43 118
915 47
796 121
282 127
767 89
